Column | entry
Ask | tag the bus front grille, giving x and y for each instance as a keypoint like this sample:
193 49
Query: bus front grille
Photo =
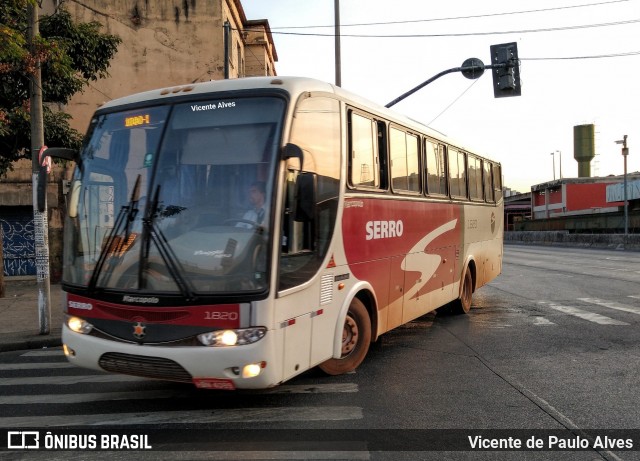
143 366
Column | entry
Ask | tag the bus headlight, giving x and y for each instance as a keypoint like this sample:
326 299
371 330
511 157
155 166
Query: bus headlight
253 369
241 337
79 325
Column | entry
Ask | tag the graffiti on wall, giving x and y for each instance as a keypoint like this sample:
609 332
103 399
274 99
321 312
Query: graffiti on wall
18 243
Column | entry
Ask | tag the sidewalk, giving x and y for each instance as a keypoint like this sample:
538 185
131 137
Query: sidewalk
19 327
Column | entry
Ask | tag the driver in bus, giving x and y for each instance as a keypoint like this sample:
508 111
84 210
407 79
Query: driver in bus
256 213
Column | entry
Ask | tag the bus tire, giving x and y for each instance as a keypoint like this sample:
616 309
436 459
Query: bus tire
463 304
356 337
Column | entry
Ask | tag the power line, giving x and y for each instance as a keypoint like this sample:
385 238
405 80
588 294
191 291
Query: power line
454 18
598 56
465 34
453 102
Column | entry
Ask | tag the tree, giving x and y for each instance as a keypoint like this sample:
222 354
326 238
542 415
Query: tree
72 55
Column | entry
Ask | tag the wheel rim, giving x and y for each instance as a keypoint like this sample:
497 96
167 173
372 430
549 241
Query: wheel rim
349 336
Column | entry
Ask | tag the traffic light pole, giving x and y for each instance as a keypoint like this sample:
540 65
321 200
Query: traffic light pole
472 70
506 78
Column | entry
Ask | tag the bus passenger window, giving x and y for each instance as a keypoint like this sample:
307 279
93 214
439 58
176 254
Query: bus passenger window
488 183
405 175
363 147
497 182
457 174
475 178
436 168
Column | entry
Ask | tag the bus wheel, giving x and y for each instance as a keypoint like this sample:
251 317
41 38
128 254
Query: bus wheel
356 336
463 304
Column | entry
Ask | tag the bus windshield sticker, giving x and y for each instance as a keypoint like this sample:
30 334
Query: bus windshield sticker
212 106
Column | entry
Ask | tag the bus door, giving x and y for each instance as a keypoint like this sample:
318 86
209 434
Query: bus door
306 278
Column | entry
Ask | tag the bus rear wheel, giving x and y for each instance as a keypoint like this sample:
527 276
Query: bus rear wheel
463 304
356 336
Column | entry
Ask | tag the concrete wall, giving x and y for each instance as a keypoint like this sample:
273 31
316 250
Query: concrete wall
564 238
16 191
165 43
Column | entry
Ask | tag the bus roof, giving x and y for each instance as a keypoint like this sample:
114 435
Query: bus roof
293 85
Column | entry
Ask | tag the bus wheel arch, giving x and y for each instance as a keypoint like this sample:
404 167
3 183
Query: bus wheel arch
467 286
356 338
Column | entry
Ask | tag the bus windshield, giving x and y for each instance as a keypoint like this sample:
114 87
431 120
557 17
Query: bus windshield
176 199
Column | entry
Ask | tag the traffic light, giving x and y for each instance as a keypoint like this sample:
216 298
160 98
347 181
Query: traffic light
506 74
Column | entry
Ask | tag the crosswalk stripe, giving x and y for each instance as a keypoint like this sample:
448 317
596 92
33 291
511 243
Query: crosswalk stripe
164 394
612 305
218 415
542 321
585 315
66 380
311 389
89 397
44 353
35 366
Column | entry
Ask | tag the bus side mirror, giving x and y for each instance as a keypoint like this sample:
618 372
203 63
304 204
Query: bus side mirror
64 153
293 151
44 167
306 191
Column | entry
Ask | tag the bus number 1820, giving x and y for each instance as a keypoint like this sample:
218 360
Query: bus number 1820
218 315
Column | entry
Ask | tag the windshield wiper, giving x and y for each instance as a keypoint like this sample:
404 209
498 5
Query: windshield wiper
152 233
126 216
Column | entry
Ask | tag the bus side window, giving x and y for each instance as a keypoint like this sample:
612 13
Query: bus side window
404 153
363 148
457 174
488 183
436 168
475 178
497 182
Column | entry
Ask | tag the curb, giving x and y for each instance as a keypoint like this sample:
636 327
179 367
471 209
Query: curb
16 343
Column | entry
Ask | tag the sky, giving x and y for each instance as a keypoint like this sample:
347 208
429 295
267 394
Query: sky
579 64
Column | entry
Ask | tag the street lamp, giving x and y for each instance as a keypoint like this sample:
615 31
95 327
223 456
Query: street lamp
625 153
560 162
554 164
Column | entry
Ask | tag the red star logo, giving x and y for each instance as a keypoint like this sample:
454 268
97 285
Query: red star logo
139 330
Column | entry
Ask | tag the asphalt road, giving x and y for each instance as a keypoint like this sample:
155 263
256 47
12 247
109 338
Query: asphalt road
550 345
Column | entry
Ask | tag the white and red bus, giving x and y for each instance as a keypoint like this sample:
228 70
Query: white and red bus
368 220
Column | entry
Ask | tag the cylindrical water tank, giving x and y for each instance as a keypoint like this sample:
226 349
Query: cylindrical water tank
584 148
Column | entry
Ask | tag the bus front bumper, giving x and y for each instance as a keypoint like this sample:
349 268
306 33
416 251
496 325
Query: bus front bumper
233 367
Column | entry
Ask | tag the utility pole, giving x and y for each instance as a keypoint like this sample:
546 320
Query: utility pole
336 8
625 154
37 147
